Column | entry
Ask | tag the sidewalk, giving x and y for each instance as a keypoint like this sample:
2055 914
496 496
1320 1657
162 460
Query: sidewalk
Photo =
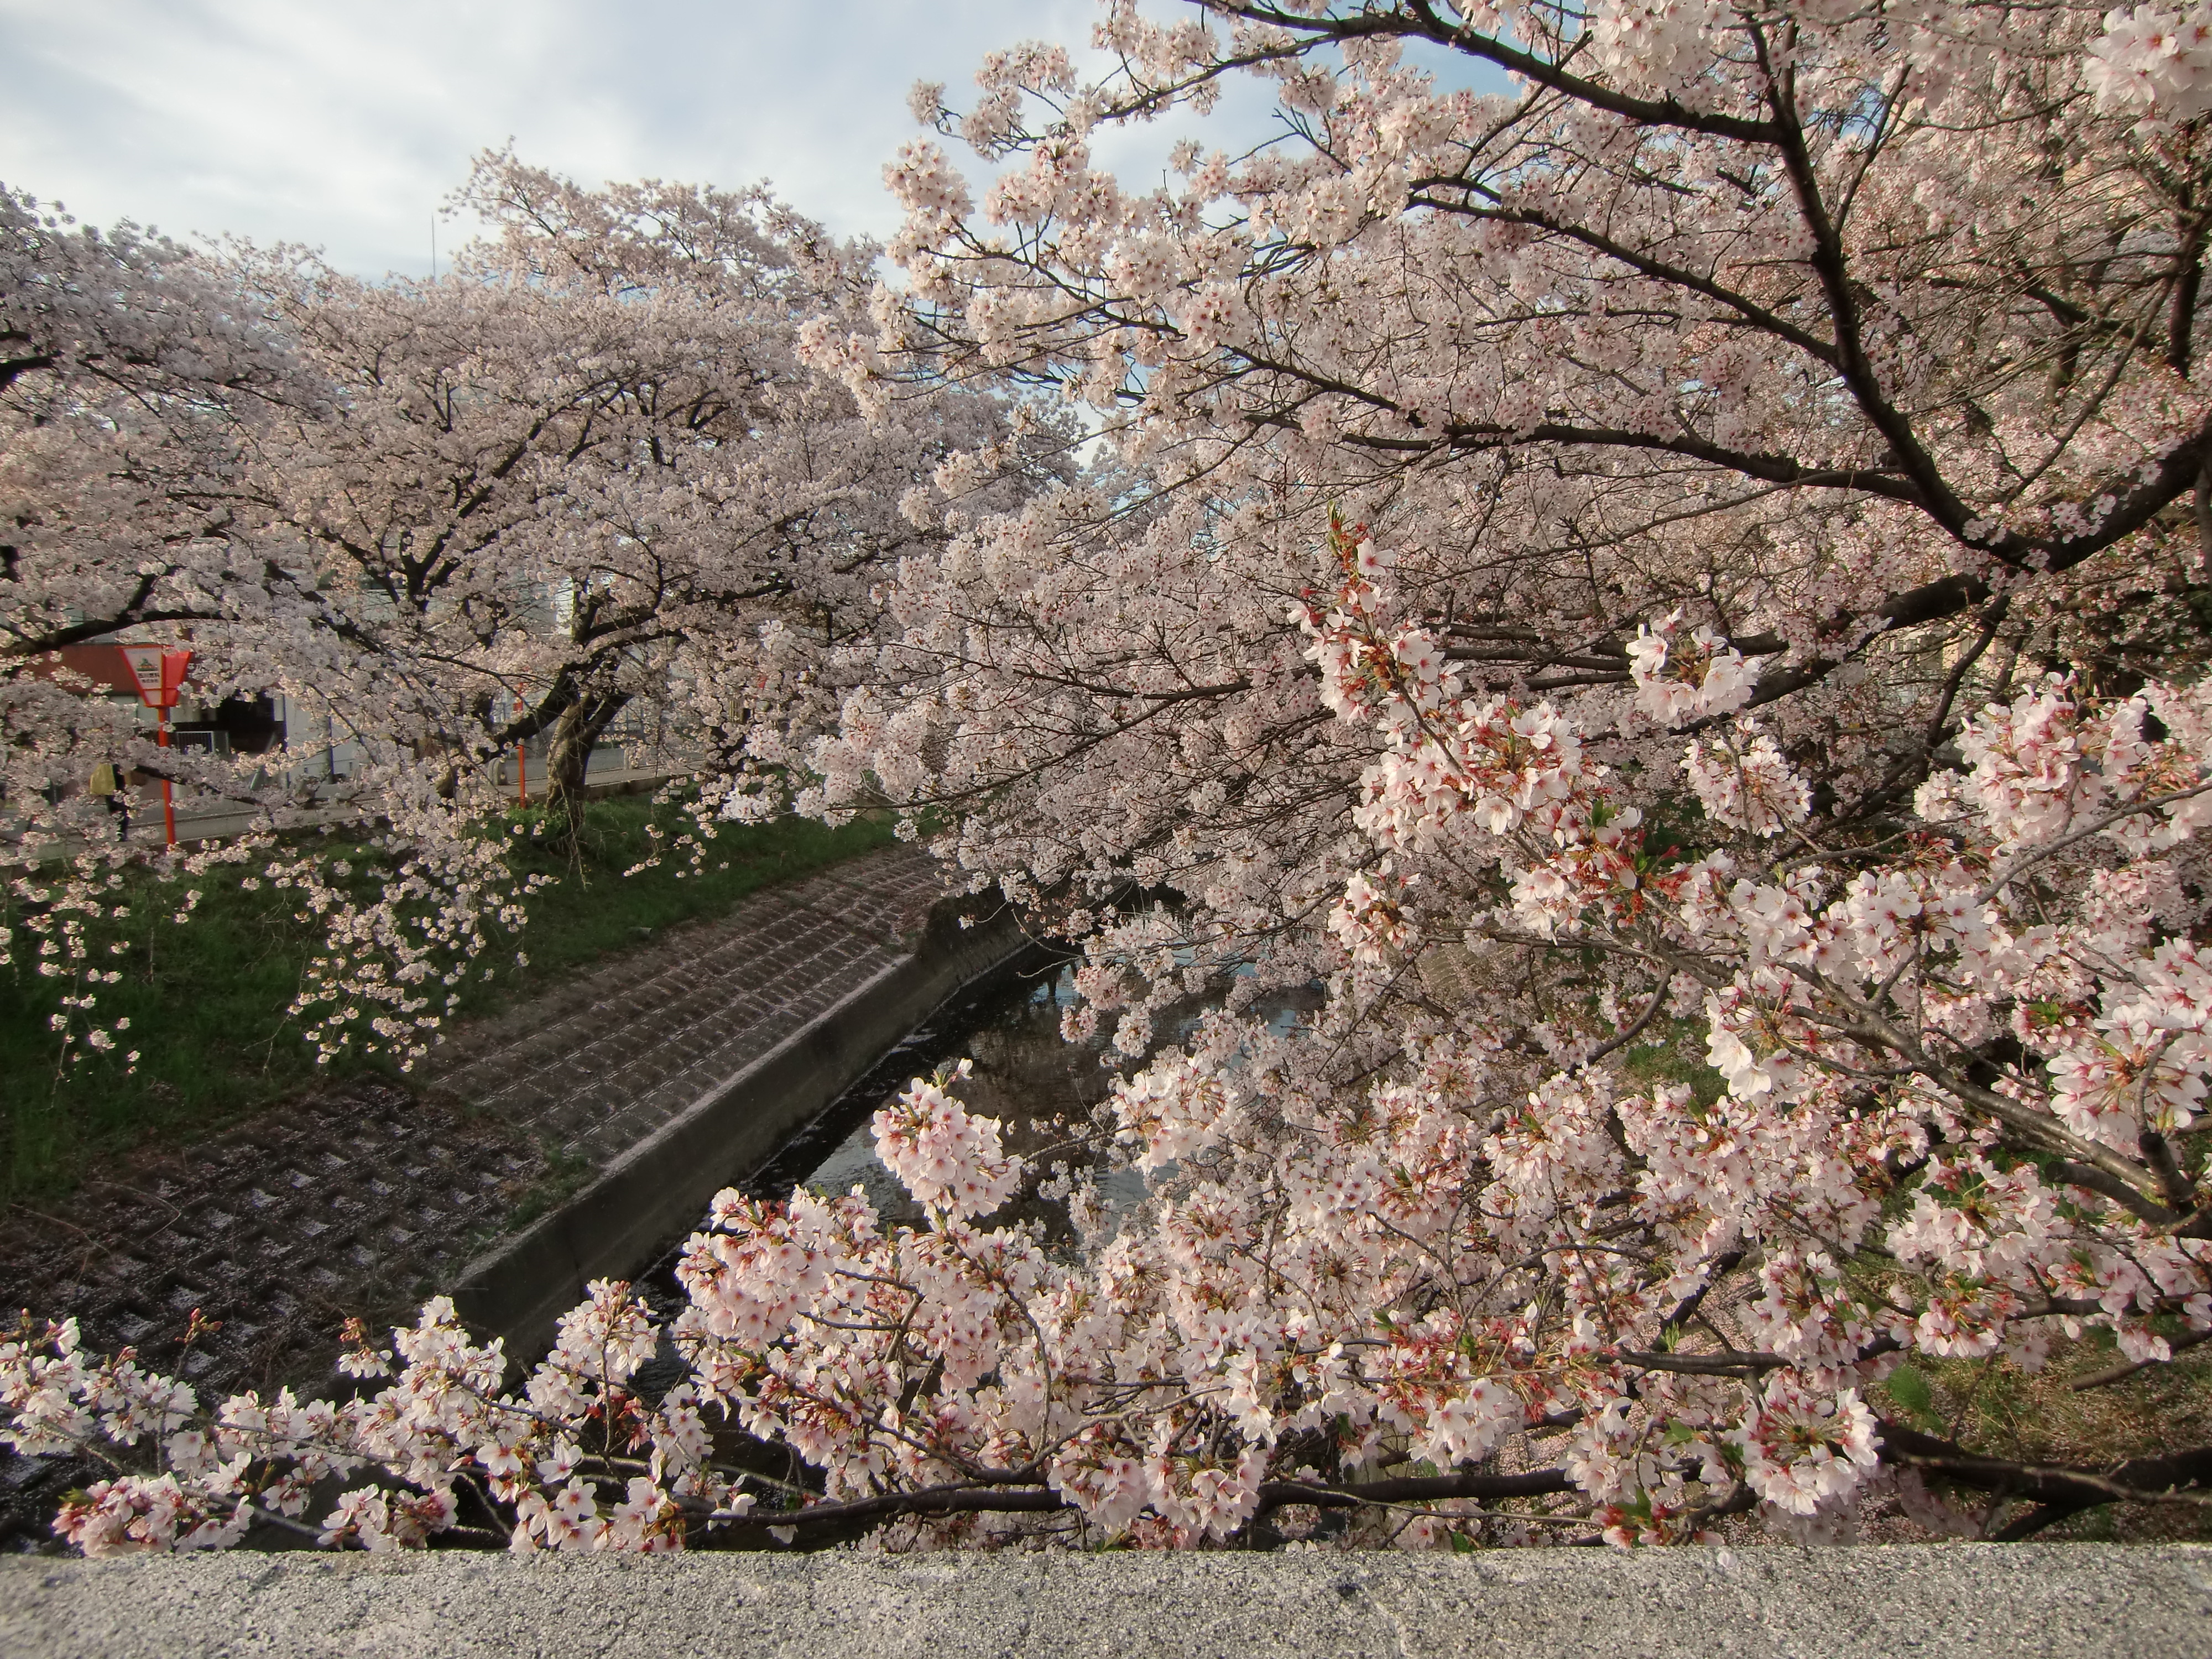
221 824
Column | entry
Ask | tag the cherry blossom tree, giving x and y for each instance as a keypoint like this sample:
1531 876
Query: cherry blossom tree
1794 380
1672 588
133 379
136 383
145 388
442 518
587 466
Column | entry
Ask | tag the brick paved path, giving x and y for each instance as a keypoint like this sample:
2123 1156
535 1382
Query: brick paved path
358 1200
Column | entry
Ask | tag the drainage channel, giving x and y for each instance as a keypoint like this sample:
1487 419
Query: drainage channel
744 1127
1037 1085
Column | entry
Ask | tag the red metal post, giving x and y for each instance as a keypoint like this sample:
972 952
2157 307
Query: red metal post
169 804
160 676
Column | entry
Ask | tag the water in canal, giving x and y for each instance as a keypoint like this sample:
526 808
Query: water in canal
1041 1088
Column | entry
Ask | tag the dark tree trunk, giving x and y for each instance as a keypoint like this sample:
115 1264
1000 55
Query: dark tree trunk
568 751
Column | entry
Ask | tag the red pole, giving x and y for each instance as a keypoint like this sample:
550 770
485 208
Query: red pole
168 805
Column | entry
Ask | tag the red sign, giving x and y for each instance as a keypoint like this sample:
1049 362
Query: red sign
160 674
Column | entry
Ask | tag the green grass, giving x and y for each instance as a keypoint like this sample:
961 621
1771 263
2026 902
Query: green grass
1993 1407
207 999
1678 1057
594 909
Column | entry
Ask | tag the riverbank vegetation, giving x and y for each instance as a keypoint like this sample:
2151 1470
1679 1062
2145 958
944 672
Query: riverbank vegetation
200 1018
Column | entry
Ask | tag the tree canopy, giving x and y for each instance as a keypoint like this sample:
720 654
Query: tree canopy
1674 590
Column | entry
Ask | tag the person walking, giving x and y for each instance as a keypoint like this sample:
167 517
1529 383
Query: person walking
107 781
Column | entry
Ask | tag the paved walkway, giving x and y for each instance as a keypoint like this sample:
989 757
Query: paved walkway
1958 1600
358 1200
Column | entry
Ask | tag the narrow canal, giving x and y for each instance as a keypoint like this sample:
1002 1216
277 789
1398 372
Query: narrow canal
1042 1089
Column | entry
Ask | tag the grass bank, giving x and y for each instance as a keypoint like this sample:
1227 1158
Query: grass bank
207 999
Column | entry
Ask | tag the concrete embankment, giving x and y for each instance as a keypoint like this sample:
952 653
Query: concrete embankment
1962 1601
363 1199
658 1186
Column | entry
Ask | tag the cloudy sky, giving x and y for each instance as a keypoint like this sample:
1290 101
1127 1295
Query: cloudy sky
344 122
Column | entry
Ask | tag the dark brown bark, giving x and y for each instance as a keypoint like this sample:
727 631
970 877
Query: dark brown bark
576 730
2058 1490
956 1500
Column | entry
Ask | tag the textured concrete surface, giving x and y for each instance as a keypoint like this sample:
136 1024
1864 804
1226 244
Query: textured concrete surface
597 1067
2014 1601
354 1201
680 1152
358 1200
337 1204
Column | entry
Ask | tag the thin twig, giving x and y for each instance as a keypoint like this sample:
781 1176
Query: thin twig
2128 1368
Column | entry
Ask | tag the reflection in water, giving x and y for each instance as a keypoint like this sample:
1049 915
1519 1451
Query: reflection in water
1040 1088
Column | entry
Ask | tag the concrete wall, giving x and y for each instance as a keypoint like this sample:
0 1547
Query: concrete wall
1957 1600
661 1187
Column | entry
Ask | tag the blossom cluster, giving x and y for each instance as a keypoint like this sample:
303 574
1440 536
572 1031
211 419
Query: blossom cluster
1575 595
2154 59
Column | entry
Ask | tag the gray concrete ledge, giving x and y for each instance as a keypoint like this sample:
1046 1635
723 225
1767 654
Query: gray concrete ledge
2020 1601
652 1193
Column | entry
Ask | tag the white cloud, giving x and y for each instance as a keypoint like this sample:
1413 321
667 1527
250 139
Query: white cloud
345 123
